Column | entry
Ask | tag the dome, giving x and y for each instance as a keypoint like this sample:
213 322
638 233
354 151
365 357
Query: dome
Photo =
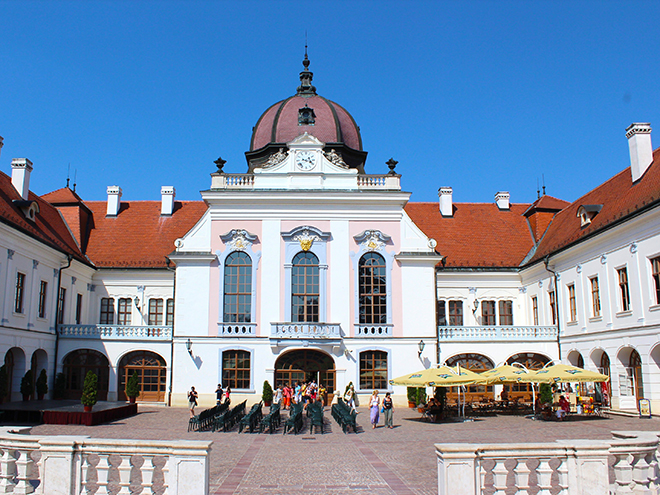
308 112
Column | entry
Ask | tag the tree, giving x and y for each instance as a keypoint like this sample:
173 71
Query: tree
4 382
59 389
545 393
27 385
90 389
133 385
42 384
267 395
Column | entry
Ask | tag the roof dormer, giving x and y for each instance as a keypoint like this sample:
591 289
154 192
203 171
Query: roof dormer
29 208
586 213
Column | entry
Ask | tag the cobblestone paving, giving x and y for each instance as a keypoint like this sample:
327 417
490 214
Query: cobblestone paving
375 462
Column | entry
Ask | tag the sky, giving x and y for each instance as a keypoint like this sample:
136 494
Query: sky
482 96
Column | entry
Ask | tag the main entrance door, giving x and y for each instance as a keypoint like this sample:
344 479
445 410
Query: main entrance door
304 365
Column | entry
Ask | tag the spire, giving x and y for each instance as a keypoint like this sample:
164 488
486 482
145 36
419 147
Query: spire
306 87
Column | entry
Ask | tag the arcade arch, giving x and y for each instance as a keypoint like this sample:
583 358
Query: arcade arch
533 362
75 366
632 382
473 362
303 365
152 372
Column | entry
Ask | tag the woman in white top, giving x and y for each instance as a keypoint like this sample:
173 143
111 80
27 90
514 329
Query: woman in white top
374 405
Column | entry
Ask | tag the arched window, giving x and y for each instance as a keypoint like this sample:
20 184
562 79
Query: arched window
305 288
151 370
238 288
236 369
373 370
473 362
636 371
373 288
531 361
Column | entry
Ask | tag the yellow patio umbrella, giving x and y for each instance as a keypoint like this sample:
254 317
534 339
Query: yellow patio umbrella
566 373
443 376
507 373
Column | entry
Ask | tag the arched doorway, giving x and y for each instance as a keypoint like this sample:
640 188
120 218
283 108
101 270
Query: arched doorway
631 383
575 359
473 362
532 362
152 371
75 366
9 370
38 362
303 365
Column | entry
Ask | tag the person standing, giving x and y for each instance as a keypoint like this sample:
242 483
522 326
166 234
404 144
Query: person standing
374 405
192 401
227 392
349 396
278 394
286 394
218 395
387 410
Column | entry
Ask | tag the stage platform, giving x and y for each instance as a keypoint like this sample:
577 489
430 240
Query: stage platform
64 412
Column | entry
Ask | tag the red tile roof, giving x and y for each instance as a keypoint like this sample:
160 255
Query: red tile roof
478 235
62 196
48 227
139 237
619 197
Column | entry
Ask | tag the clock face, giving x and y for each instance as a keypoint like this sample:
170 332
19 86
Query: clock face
305 160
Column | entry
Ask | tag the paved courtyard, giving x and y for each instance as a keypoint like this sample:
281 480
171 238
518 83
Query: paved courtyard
380 461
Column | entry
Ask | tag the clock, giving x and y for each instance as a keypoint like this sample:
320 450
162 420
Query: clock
305 160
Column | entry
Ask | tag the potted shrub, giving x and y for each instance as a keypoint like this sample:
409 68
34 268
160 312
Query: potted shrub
267 394
412 397
545 393
133 387
4 382
59 389
90 390
42 385
421 396
27 386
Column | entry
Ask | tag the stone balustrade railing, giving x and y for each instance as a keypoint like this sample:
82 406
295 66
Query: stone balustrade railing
305 331
379 182
373 330
115 332
237 329
499 332
564 467
72 465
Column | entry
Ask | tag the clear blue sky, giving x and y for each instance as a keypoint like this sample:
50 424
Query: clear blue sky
481 96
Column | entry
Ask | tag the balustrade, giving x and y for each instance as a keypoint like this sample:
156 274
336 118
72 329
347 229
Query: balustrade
115 332
582 465
306 331
500 332
373 330
81 465
379 182
237 329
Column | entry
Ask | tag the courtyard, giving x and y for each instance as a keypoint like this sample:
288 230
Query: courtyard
381 461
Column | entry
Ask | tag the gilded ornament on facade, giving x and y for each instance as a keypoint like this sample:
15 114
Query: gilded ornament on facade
306 239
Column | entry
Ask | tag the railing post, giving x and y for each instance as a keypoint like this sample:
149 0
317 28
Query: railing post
61 465
499 477
7 469
521 472
457 469
23 470
147 471
125 475
189 468
544 476
102 472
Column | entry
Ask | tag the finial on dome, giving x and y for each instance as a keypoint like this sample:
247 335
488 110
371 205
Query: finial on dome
306 76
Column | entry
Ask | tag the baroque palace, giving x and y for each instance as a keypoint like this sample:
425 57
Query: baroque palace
306 266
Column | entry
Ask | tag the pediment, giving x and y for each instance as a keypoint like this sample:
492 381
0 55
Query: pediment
305 140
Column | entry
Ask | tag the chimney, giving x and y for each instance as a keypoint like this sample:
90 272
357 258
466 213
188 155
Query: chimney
167 194
446 205
641 151
502 200
114 201
20 176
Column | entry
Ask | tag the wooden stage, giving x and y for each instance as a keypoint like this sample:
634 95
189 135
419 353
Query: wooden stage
64 412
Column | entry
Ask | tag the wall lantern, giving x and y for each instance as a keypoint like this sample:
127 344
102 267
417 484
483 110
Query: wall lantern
137 302
189 346
421 348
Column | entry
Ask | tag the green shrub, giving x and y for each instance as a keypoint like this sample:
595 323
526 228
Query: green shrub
416 395
42 383
267 394
4 381
132 388
27 385
59 389
421 395
90 389
545 393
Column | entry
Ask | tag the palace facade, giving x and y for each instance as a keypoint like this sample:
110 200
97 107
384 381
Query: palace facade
306 266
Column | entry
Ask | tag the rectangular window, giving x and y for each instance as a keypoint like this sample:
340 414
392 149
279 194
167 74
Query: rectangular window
488 312
456 313
79 304
535 310
572 306
169 316
373 370
442 313
20 290
107 311
623 287
655 267
43 294
595 297
124 311
60 306
236 369
506 312
553 307
155 312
